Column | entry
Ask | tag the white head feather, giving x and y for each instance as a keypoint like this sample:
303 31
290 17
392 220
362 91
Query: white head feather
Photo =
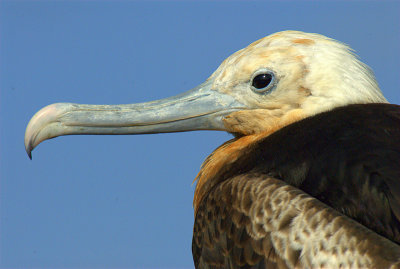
313 74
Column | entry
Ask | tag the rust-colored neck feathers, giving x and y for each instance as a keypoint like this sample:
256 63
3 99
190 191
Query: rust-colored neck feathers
225 158
221 158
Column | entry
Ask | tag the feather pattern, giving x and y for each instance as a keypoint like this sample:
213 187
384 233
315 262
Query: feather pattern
255 221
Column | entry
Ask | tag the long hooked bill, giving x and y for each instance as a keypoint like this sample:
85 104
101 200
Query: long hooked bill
201 108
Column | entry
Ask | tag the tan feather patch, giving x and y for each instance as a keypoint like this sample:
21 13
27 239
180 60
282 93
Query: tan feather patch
303 41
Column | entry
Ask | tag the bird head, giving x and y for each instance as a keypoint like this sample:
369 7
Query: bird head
291 75
273 82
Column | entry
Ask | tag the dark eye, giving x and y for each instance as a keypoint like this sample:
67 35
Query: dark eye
263 81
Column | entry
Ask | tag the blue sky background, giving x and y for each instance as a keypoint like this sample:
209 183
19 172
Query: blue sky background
126 201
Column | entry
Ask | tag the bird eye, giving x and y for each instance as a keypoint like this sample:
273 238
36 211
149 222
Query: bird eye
263 81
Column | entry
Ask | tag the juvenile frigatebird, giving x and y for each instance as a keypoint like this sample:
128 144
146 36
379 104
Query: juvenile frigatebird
312 175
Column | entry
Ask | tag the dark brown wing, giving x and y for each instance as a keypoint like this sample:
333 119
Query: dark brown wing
252 221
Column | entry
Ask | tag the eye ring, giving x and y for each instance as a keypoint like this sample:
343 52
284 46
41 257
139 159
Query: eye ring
263 81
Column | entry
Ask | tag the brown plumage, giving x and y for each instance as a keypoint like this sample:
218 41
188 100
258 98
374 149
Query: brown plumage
254 221
247 219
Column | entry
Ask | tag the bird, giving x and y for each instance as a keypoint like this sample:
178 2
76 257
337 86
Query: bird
311 177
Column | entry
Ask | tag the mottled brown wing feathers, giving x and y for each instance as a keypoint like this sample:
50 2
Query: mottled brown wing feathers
251 221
